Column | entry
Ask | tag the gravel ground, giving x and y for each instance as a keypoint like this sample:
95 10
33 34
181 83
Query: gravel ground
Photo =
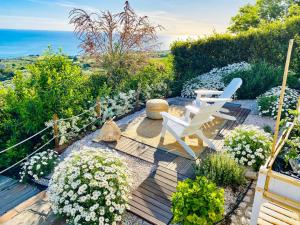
253 118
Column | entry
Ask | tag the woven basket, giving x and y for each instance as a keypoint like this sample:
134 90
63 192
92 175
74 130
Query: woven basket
110 131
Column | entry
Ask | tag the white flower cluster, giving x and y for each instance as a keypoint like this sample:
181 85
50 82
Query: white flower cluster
118 105
211 80
90 187
269 101
39 165
248 145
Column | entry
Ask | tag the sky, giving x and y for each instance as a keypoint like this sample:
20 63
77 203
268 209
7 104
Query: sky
178 17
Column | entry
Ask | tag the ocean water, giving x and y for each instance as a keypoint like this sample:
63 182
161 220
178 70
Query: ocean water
18 43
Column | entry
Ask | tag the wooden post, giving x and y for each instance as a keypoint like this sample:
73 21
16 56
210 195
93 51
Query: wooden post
55 131
283 86
98 107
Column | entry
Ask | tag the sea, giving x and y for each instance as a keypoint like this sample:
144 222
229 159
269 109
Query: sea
20 43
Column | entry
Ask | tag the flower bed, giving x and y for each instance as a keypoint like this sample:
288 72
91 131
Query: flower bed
90 187
249 145
268 102
39 165
212 80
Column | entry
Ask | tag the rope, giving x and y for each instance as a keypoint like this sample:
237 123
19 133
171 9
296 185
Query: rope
69 134
5 150
76 116
17 163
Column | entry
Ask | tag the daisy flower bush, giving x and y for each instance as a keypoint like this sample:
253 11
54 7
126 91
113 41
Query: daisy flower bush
248 145
213 80
90 187
268 102
39 165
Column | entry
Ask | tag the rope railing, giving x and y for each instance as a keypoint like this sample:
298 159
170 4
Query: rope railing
54 124
20 161
25 140
76 116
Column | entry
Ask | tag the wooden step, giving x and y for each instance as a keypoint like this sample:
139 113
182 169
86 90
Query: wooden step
273 214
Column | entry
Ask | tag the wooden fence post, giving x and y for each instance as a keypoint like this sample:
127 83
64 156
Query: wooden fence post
55 131
98 107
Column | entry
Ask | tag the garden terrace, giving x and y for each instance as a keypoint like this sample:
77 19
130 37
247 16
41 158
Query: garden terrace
151 195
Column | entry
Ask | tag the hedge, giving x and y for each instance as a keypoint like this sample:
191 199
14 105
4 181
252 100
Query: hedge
269 43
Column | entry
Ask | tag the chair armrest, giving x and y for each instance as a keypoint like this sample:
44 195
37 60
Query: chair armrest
168 116
215 99
208 92
192 109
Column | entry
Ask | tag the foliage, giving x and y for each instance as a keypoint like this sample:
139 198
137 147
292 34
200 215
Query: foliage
197 202
153 80
52 84
90 187
258 79
212 80
263 12
249 145
39 165
268 43
117 40
246 18
269 101
221 169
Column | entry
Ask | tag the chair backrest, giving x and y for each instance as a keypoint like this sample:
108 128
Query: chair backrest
231 88
202 117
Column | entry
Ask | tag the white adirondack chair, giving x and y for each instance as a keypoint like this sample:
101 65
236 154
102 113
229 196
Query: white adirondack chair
204 98
180 128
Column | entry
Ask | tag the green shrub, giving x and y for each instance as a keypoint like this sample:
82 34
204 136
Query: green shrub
52 84
249 146
260 78
197 202
269 44
268 102
222 169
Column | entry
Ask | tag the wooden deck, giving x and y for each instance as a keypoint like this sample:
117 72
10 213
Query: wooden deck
151 200
12 193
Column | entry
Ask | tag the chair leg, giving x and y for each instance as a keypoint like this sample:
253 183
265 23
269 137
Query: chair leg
186 148
205 139
164 128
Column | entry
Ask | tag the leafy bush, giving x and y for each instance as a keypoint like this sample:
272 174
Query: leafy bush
90 187
268 43
249 146
197 202
39 165
259 78
52 84
154 79
212 80
269 101
222 169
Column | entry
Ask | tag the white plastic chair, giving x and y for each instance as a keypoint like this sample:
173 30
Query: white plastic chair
204 98
180 128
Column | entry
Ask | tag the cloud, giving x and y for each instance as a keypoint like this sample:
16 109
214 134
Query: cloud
177 25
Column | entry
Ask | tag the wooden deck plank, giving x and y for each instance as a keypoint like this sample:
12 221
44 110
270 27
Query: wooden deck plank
12 193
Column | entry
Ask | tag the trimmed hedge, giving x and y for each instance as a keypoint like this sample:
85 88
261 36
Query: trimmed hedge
269 44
